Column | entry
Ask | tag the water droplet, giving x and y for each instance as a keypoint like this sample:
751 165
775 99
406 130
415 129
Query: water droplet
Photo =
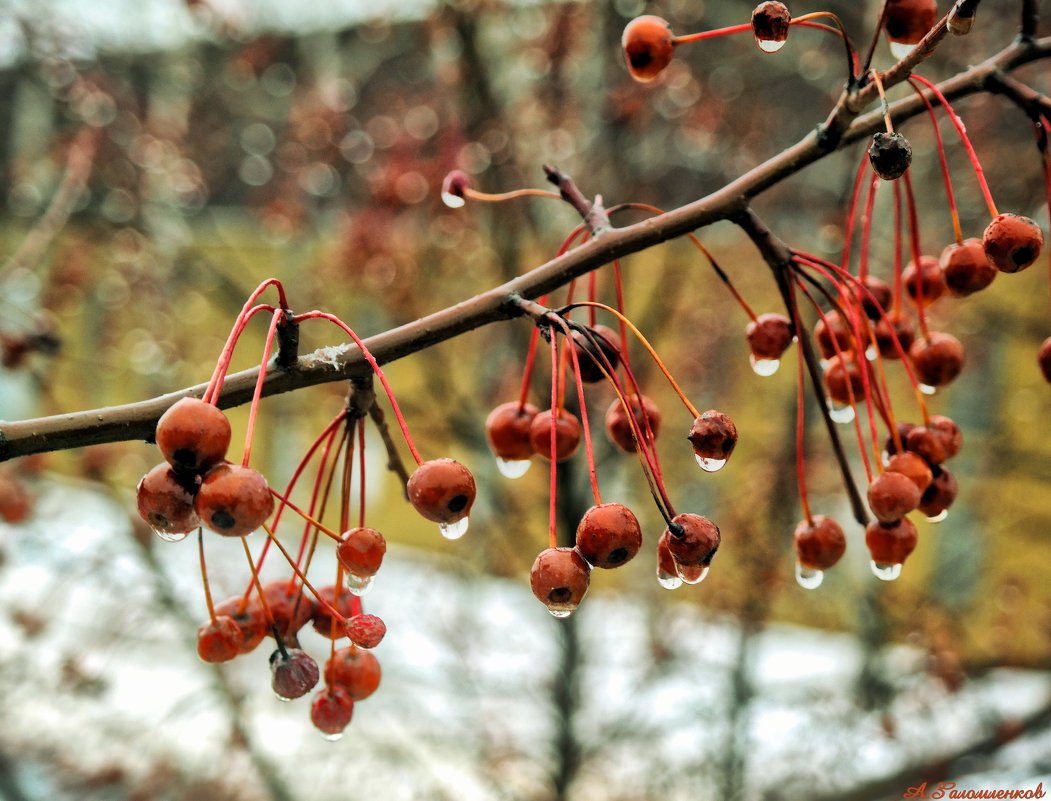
359 585
513 468
454 530
169 536
870 353
927 389
885 572
453 201
332 737
692 574
280 697
960 26
561 611
840 413
808 577
899 49
770 45
944 513
668 581
764 367
709 465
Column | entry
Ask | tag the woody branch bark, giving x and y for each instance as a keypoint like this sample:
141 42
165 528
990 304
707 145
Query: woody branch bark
138 420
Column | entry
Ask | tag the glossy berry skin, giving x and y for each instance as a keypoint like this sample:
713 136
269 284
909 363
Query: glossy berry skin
219 640
165 500
600 349
361 551
322 619
648 45
833 335
1043 358
875 296
507 430
890 543
567 434
293 673
331 710
926 283
892 496
913 466
618 426
965 268
693 539
713 435
250 619
949 433
609 535
366 631
907 21
894 325
1012 242
770 22
926 443
666 567
290 605
769 335
937 359
560 578
843 380
890 155
442 490
941 494
233 500
820 543
193 435
354 669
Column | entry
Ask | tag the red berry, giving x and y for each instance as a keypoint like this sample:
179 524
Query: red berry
361 551
769 336
927 443
820 543
567 434
598 349
693 539
609 535
912 465
507 429
713 436
1012 242
250 619
366 631
948 431
219 640
843 380
895 324
193 435
833 335
442 490
940 495
890 543
907 21
618 425
965 268
290 607
875 296
667 570
937 358
293 673
15 501
648 47
1043 358
354 669
233 501
770 25
892 496
559 579
454 187
165 500
322 619
331 711
926 283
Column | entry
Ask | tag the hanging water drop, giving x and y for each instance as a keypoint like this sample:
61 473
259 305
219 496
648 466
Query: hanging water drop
561 612
709 465
770 45
692 574
668 581
900 49
280 697
764 367
453 201
841 412
927 389
454 530
885 572
870 353
944 513
513 468
808 577
359 585
170 536
332 737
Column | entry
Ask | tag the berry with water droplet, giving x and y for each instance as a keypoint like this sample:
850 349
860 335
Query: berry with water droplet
648 45
769 336
843 380
165 500
667 570
894 324
507 430
1012 242
618 425
770 25
890 543
965 268
293 673
820 542
907 21
892 496
567 434
331 711
559 579
442 490
219 640
609 535
833 335
693 539
354 669
193 435
233 500
940 495
926 283
713 436
890 154
937 358
361 551
600 348
366 631
454 189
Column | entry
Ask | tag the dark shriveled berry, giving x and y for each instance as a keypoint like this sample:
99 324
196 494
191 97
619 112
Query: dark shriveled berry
693 539
648 46
442 490
1012 242
820 543
366 631
609 535
560 578
713 435
293 673
770 25
890 154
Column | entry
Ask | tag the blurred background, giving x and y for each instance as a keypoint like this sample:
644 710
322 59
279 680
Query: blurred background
159 158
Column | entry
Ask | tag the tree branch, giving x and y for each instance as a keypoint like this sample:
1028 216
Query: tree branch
340 363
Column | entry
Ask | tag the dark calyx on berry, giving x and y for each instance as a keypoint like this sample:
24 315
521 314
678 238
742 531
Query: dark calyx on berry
618 424
769 335
770 22
609 535
233 500
693 539
820 542
193 435
560 578
713 435
596 347
165 500
890 154
890 543
648 47
1012 242
442 490
507 430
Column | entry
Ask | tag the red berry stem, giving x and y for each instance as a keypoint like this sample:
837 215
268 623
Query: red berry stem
487 197
259 586
308 533
914 247
958 125
588 448
310 519
553 509
800 417
204 575
712 34
618 284
898 281
592 296
347 448
211 392
361 471
866 227
297 573
940 144
852 210
853 63
320 315
253 410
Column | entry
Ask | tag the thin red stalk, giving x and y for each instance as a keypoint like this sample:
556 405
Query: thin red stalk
310 519
318 483
588 449
898 223
712 34
914 244
361 471
852 210
345 482
800 417
592 295
253 410
204 575
258 584
211 392
618 284
942 161
553 446
866 228
306 583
